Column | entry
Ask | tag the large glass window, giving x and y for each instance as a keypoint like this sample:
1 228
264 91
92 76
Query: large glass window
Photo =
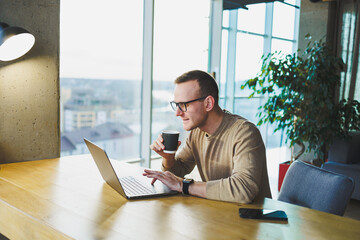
256 38
350 79
101 69
261 29
249 49
252 19
284 20
101 65
283 46
100 75
181 40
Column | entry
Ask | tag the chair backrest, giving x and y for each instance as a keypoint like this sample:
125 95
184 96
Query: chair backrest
346 151
309 186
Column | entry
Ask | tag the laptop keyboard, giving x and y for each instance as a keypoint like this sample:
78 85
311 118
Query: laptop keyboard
132 186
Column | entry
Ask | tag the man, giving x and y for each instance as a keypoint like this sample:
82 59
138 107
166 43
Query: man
227 149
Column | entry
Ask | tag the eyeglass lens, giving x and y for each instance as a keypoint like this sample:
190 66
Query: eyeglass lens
181 106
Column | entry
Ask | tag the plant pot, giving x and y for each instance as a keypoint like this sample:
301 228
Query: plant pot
283 167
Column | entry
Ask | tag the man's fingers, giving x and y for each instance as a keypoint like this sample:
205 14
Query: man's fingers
153 181
157 145
167 178
153 174
148 171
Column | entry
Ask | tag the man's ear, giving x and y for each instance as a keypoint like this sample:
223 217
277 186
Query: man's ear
209 103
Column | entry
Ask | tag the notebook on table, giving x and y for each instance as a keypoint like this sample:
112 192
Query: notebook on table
129 186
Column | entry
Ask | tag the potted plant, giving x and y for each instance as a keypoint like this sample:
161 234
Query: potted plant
301 98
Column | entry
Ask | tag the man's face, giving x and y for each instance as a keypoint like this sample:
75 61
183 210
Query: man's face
196 115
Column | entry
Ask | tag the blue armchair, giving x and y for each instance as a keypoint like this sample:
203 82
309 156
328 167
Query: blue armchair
313 187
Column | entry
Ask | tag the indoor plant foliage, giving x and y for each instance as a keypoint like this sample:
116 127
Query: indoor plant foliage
301 97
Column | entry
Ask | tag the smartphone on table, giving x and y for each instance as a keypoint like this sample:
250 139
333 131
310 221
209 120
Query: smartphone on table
265 214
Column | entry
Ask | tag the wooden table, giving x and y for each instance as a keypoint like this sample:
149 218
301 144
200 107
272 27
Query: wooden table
66 198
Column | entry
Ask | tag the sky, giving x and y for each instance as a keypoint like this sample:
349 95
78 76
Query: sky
103 38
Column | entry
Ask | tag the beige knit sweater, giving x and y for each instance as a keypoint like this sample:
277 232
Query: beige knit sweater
232 161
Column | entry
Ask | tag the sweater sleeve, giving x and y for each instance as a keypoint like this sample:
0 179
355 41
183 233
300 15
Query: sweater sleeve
184 160
249 161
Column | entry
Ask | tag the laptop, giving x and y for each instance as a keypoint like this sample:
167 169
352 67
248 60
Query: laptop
129 186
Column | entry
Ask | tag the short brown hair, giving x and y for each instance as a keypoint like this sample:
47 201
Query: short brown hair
207 83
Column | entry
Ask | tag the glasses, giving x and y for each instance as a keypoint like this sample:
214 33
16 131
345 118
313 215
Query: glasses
183 105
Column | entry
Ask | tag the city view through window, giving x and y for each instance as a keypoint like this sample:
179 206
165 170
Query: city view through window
100 76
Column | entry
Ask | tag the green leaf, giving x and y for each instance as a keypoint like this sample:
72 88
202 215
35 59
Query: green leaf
302 88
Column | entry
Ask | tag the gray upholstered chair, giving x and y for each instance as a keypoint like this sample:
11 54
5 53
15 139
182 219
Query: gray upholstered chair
316 188
344 158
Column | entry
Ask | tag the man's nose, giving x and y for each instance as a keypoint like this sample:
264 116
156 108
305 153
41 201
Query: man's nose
178 112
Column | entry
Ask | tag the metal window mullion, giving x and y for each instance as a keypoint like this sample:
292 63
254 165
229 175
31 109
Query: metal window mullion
214 58
269 14
251 33
296 27
283 39
231 61
146 90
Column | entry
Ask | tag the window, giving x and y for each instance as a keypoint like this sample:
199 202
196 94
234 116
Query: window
284 20
100 75
101 70
260 30
253 19
104 53
349 49
180 45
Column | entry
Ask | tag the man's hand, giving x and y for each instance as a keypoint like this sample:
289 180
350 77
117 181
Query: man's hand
169 179
158 147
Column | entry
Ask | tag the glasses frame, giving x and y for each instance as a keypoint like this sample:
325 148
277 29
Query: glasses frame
177 104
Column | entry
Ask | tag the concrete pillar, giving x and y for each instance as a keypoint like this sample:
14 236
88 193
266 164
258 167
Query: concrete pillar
29 86
313 21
